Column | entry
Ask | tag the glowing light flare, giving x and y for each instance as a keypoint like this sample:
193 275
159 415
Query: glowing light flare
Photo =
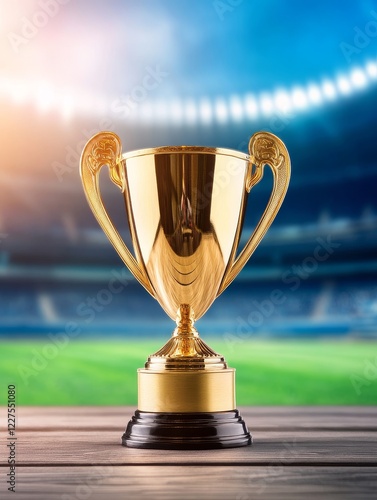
358 78
236 108
282 101
266 104
146 112
251 107
191 112
4 83
19 92
176 111
344 85
221 110
86 103
205 111
314 94
160 111
371 69
329 90
45 97
67 106
299 98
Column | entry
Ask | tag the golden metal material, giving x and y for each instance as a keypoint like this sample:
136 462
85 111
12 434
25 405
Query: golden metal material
185 350
265 149
186 392
102 149
185 208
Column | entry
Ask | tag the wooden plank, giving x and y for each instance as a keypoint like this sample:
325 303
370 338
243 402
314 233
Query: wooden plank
269 447
187 483
278 418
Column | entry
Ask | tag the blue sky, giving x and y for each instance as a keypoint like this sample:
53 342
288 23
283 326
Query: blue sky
207 46
210 47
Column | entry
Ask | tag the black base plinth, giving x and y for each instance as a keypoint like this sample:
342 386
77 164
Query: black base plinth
186 431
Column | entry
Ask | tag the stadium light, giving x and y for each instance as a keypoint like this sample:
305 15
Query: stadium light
176 111
329 90
283 101
236 108
191 111
221 110
343 84
266 104
251 107
371 69
358 78
160 111
314 94
205 111
299 98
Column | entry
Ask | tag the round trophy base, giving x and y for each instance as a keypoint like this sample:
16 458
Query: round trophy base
186 431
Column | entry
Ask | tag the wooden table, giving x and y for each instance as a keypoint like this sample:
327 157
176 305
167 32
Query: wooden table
298 453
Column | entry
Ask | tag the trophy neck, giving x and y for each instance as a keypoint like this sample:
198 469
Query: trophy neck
185 350
185 322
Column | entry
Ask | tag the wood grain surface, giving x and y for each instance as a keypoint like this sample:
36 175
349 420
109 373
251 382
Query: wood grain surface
298 452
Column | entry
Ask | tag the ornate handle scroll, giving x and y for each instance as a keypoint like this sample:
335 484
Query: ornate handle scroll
264 148
105 148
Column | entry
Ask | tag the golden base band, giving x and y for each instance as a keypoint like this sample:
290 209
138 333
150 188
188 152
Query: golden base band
186 391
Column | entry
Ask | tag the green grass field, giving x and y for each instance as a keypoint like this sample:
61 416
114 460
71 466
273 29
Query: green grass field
268 372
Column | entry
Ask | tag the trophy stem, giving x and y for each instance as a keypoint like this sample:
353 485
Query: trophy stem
185 349
185 321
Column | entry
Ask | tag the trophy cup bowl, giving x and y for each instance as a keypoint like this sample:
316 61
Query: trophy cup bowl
185 207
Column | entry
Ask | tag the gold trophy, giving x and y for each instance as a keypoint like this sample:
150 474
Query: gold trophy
185 207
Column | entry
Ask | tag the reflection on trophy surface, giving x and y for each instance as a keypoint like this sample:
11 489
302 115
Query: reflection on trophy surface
185 207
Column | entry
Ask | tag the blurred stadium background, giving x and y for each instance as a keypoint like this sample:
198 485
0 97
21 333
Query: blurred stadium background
190 72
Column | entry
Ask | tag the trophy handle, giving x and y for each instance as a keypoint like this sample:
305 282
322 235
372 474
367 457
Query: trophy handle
264 148
105 148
